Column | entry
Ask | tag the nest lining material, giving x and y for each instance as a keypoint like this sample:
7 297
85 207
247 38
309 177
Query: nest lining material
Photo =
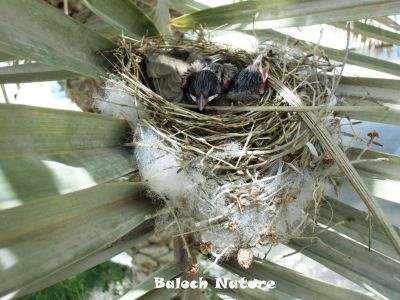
236 177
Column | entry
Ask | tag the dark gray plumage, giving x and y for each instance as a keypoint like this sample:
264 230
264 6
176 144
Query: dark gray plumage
203 88
206 80
249 84
225 73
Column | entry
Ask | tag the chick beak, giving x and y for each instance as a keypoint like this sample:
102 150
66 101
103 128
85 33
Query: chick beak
201 103
264 73
258 61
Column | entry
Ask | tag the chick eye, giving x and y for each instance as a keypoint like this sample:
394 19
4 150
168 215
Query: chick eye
212 97
193 98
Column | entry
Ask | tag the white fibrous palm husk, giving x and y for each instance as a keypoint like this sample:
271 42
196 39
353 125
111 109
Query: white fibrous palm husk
234 177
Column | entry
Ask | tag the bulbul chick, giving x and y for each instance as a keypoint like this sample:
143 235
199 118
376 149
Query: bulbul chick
250 83
203 88
163 72
225 74
204 82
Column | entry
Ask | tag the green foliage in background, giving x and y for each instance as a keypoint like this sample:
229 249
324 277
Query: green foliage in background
104 277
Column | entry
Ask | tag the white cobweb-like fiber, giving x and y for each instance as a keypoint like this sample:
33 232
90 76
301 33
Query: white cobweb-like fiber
270 208
117 103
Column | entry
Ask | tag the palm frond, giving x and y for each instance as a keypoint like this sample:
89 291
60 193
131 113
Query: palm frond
373 92
124 16
286 13
48 36
366 30
148 289
33 72
290 284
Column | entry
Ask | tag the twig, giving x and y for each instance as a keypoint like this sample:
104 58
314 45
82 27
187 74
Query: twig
372 160
171 209
322 108
245 146
217 257
334 88
66 10
3 89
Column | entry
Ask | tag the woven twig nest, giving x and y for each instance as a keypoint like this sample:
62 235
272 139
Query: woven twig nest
238 176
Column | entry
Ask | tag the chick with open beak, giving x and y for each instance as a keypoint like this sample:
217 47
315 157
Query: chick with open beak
250 83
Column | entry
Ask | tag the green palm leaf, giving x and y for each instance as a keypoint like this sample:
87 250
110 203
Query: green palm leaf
41 149
334 54
379 172
353 261
32 72
374 92
290 284
138 235
124 16
354 224
76 227
47 36
45 152
148 289
287 13
371 31
5 57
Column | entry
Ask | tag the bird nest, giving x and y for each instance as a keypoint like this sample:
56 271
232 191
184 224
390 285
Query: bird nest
238 176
